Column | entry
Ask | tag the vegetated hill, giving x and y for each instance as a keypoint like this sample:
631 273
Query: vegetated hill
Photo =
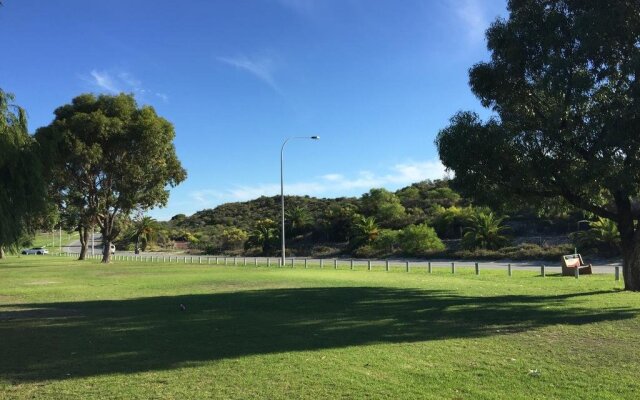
244 215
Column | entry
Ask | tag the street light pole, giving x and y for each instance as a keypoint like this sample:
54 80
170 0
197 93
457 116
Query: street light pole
282 188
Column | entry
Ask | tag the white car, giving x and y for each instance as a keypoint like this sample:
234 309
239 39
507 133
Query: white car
35 250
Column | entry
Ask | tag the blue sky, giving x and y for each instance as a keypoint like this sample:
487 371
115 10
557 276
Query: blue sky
376 79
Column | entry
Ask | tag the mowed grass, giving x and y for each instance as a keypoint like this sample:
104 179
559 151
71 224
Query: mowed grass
73 329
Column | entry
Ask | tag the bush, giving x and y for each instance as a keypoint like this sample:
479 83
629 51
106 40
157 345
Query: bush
366 251
418 240
525 251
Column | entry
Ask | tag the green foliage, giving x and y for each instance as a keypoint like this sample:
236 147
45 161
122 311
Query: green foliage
22 197
563 84
450 222
384 206
365 230
145 231
484 231
297 220
602 237
419 240
233 238
426 195
525 251
264 235
109 157
387 241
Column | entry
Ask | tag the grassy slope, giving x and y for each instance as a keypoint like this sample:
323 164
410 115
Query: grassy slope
44 239
83 330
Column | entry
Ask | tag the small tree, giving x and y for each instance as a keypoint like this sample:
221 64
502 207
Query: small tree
118 155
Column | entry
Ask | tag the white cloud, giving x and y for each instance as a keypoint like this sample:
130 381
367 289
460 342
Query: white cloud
473 15
119 81
329 185
261 68
103 80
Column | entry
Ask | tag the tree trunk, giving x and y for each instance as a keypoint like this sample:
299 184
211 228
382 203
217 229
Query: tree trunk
84 241
1 252
630 240
106 250
631 263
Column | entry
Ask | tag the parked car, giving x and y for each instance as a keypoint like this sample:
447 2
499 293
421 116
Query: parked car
35 250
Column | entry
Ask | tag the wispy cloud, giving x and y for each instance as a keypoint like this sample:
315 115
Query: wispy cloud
474 16
104 81
118 82
261 68
329 185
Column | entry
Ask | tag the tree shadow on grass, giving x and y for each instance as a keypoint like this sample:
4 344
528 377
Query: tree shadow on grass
89 338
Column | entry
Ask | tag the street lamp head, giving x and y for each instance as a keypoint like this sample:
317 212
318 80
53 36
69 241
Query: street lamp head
315 137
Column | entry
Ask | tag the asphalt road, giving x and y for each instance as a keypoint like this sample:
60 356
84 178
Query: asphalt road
599 267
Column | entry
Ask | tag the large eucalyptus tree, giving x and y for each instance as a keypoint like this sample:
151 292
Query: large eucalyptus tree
110 157
563 83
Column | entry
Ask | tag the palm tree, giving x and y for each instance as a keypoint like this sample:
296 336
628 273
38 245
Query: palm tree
602 235
298 218
366 229
265 234
145 229
485 231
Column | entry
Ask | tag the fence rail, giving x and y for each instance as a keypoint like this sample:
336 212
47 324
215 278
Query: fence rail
334 263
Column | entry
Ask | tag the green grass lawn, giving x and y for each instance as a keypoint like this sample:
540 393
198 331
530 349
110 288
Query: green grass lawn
83 330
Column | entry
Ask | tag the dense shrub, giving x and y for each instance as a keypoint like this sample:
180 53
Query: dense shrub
525 251
418 240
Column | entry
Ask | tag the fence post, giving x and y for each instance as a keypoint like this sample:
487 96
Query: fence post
244 260
453 267
321 262
509 269
335 263
429 266
617 273
477 269
235 260
268 261
225 261
368 265
293 260
305 263
386 265
407 266
542 271
577 272
351 264
199 260
216 260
